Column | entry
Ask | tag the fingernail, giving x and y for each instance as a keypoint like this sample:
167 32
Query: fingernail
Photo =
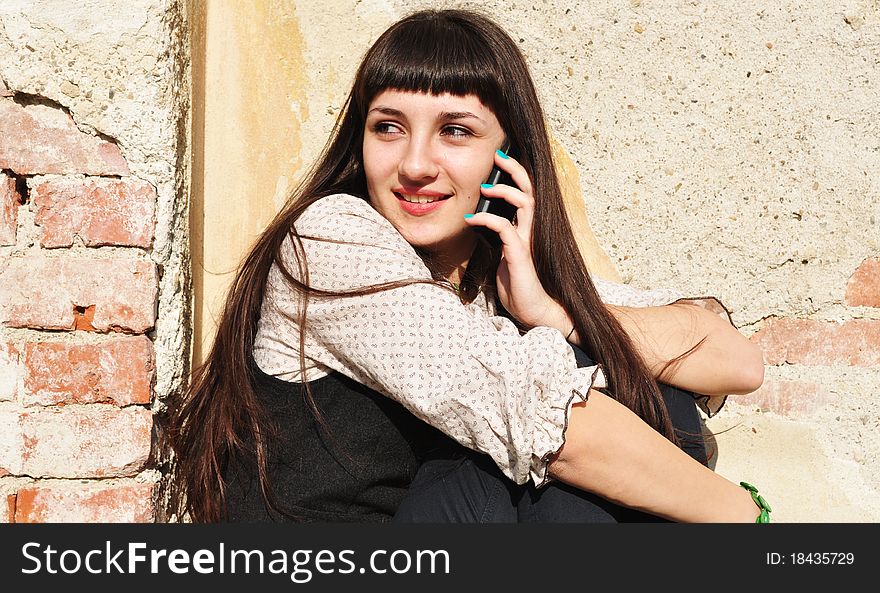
502 155
486 185
468 215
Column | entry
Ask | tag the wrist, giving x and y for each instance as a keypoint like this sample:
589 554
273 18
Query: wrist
560 319
758 502
554 315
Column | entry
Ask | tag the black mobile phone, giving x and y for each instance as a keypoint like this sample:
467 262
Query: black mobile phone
498 206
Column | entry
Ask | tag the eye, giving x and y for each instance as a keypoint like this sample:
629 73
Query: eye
385 128
456 132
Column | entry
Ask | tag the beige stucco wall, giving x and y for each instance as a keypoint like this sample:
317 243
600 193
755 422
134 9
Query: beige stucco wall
250 84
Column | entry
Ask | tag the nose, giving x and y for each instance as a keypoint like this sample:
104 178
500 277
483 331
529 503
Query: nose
419 161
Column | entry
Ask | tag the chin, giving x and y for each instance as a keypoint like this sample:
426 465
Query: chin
453 245
422 242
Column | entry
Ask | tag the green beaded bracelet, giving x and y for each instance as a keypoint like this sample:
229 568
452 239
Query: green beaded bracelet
764 517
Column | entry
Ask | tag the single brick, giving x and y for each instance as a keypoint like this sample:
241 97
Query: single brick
863 288
93 441
10 371
119 372
92 502
9 200
49 293
39 139
788 398
99 211
817 343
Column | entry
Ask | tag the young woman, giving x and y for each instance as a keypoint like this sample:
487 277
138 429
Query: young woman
370 327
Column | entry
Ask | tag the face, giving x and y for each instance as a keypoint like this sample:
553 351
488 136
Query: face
425 157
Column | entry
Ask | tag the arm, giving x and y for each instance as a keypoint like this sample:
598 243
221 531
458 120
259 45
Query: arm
608 449
468 373
725 362
663 325
644 470
719 360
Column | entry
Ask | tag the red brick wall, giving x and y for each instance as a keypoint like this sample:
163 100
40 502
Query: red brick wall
809 343
78 294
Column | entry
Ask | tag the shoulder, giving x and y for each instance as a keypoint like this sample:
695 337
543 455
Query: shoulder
334 204
348 218
345 239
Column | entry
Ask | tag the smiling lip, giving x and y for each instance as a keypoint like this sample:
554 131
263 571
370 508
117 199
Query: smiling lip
419 202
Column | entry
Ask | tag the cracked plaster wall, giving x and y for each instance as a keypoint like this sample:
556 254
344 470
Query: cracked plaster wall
119 68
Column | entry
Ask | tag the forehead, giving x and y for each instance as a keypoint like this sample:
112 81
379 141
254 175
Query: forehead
413 101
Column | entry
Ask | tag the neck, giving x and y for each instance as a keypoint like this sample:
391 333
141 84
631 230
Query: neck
453 272
451 263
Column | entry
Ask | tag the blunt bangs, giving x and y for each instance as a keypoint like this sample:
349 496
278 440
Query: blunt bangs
433 55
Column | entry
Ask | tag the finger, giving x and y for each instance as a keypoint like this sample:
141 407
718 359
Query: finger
511 195
521 178
516 171
513 243
524 203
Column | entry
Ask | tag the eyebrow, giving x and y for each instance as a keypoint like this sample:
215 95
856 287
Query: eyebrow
448 115
444 116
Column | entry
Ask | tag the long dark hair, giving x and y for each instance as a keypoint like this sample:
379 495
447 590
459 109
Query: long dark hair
460 52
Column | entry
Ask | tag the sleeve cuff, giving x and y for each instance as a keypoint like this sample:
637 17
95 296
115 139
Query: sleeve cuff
551 430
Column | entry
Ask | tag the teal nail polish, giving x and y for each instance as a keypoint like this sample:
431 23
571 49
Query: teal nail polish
486 185
468 215
502 155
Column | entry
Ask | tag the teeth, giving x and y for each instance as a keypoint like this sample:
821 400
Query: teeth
419 199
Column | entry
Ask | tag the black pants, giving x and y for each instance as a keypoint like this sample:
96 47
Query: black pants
457 485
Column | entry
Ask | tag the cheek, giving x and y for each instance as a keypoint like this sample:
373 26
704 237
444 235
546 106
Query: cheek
376 163
369 163
468 171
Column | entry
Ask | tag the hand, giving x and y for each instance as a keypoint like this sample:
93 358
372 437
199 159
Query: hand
519 288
